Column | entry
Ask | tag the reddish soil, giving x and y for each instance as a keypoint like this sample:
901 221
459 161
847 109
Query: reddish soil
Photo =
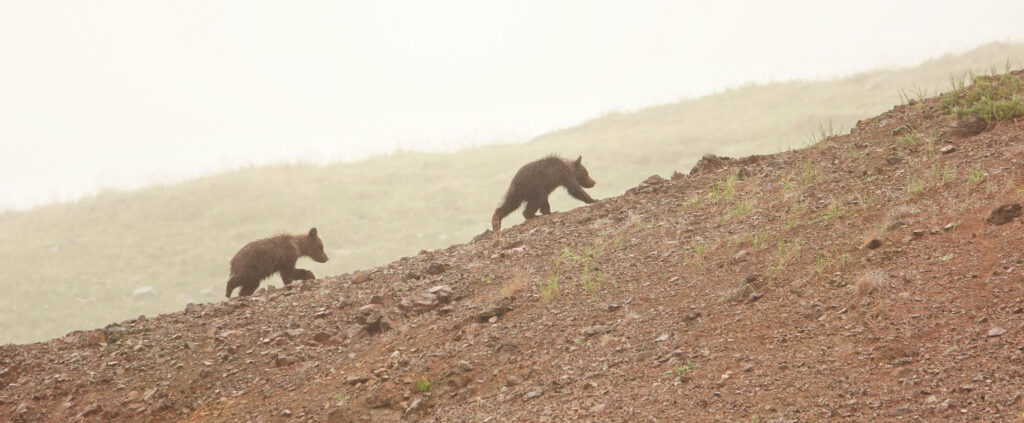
856 279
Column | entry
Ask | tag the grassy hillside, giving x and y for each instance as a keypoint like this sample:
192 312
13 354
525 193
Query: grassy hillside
72 266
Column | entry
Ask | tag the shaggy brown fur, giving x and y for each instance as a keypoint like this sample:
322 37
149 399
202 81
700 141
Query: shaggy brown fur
536 180
259 259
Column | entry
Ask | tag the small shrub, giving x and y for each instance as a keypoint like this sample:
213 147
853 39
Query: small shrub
549 288
423 385
680 371
991 98
976 176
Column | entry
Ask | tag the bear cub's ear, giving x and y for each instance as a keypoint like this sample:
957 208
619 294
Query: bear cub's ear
579 160
312 233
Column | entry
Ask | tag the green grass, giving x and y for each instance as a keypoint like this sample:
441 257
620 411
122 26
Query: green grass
423 385
74 265
990 97
680 371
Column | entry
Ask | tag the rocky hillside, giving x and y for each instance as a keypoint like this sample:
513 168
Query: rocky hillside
874 276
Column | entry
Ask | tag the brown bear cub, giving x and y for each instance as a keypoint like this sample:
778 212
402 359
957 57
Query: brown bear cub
259 259
535 181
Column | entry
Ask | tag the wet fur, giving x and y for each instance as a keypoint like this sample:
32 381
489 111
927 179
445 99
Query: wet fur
535 181
259 259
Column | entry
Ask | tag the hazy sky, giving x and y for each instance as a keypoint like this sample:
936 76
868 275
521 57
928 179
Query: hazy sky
125 93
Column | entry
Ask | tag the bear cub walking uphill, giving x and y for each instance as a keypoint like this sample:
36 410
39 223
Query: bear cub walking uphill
535 181
259 259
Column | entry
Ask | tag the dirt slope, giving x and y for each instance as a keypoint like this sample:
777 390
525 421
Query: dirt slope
857 279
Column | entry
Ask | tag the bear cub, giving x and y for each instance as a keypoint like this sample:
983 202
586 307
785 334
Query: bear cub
261 258
535 181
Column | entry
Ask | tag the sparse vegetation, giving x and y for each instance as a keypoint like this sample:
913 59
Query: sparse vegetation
191 229
910 140
914 186
423 385
680 371
549 288
976 176
989 97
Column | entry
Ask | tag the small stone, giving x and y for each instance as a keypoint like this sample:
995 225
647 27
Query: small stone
946 149
597 330
931 400
494 310
323 337
284 361
873 244
661 338
436 269
286 413
415 406
996 331
597 409
534 393
360 278
740 256
1004 214
443 293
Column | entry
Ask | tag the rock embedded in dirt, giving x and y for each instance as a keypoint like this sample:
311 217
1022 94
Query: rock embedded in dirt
946 149
1004 214
534 394
969 127
872 244
652 183
709 163
597 330
284 360
996 331
436 269
495 310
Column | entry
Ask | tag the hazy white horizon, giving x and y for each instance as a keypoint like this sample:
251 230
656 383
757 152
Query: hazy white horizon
122 94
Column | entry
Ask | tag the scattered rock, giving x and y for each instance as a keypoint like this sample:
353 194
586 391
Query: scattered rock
902 130
996 331
495 310
946 149
284 360
415 406
649 184
597 330
740 256
436 269
113 333
709 163
872 244
969 127
534 394
1004 214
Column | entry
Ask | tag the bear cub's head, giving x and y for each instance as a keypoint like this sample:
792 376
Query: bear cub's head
582 176
312 246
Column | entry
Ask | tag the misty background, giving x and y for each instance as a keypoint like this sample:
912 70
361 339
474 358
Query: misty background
124 94
143 143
